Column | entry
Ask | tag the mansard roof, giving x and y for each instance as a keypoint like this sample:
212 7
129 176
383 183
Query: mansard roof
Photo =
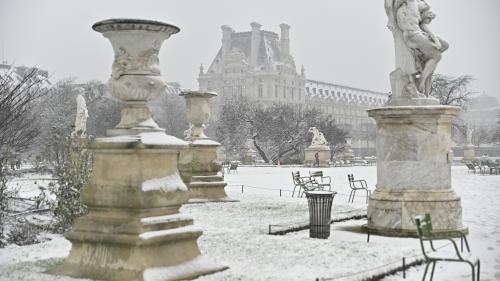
269 55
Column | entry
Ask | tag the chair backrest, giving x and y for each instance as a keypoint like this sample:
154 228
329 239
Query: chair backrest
296 177
233 166
350 177
316 174
424 226
470 166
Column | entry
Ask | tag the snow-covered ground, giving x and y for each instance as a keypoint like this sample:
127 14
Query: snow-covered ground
235 234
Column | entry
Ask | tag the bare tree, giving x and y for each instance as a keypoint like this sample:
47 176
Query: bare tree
452 90
278 131
18 93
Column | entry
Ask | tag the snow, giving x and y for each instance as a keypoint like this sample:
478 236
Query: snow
235 234
167 184
207 142
165 219
160 138
168 232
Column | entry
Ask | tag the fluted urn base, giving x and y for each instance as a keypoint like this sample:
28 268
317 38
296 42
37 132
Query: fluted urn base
133 230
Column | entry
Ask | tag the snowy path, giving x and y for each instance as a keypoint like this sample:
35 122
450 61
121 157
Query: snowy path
235 233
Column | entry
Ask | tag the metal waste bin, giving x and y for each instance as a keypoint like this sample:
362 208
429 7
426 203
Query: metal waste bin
320 213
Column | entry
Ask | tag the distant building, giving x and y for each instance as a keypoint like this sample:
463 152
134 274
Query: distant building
258 64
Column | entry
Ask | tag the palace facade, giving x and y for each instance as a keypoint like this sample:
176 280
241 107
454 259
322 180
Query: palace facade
258 64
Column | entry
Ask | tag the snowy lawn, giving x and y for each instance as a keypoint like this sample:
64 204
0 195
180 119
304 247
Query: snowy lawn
235 234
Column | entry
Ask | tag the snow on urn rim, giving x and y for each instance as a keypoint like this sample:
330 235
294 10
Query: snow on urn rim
122 24
197 94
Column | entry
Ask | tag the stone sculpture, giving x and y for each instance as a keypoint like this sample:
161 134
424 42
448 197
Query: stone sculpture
414 153
318 137
133 229
81 115
197 164
318 145
469 133
418 50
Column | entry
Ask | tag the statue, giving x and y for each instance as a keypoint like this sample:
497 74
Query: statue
470 131
81 115
418 50
318 137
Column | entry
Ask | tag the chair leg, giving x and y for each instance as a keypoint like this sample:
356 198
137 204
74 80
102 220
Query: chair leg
367 196
473 272
349 200
353 195
293 192
425 272
478 269
432 271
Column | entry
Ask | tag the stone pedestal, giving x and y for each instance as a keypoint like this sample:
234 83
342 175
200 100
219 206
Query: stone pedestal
469 152
324 154
199 171
133 230
413 170
250 157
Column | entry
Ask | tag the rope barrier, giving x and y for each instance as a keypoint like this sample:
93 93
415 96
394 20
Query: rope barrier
405 266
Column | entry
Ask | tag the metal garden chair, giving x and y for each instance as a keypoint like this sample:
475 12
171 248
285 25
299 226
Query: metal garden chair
432 255
321 180
357 185
303 183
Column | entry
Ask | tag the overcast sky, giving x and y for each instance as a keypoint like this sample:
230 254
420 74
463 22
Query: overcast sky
339 41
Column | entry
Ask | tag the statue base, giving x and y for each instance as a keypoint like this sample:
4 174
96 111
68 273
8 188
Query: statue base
133 229
414 159
324 154
469 153
199 171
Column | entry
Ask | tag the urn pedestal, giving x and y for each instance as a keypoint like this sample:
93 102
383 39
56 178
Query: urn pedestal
197 164
133 229
469 153
414 160
324 154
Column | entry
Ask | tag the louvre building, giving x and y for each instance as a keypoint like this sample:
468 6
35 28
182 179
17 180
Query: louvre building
258 64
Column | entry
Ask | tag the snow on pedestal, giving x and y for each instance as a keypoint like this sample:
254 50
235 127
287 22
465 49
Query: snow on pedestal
133 230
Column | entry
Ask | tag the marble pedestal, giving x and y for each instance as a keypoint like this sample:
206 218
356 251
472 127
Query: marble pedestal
133 230
324 154
413 170
199 170
469 153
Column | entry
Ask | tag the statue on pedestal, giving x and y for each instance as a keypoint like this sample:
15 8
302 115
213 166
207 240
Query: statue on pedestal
81 115
418 49
318 137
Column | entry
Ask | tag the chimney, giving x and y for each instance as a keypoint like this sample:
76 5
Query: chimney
255 43
226 40
285 39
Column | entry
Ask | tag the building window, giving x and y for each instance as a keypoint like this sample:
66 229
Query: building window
293 93
284 92
300 93
261 90
320 91
314 90
307 89
276 91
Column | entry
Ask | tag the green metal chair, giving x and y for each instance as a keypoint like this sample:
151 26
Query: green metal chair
432 255
321 180
303 183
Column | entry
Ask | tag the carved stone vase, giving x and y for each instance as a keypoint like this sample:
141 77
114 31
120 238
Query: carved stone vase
198 108
135 76
197 165
133 229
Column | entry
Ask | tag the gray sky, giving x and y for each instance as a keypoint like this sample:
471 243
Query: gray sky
339 41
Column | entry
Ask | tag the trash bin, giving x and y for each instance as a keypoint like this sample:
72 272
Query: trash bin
320 211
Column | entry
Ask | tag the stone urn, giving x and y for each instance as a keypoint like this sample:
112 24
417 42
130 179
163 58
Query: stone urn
135 76
198 107
134 230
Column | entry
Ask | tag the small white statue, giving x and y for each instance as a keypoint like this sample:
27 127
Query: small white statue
470 131
318 137
81 115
